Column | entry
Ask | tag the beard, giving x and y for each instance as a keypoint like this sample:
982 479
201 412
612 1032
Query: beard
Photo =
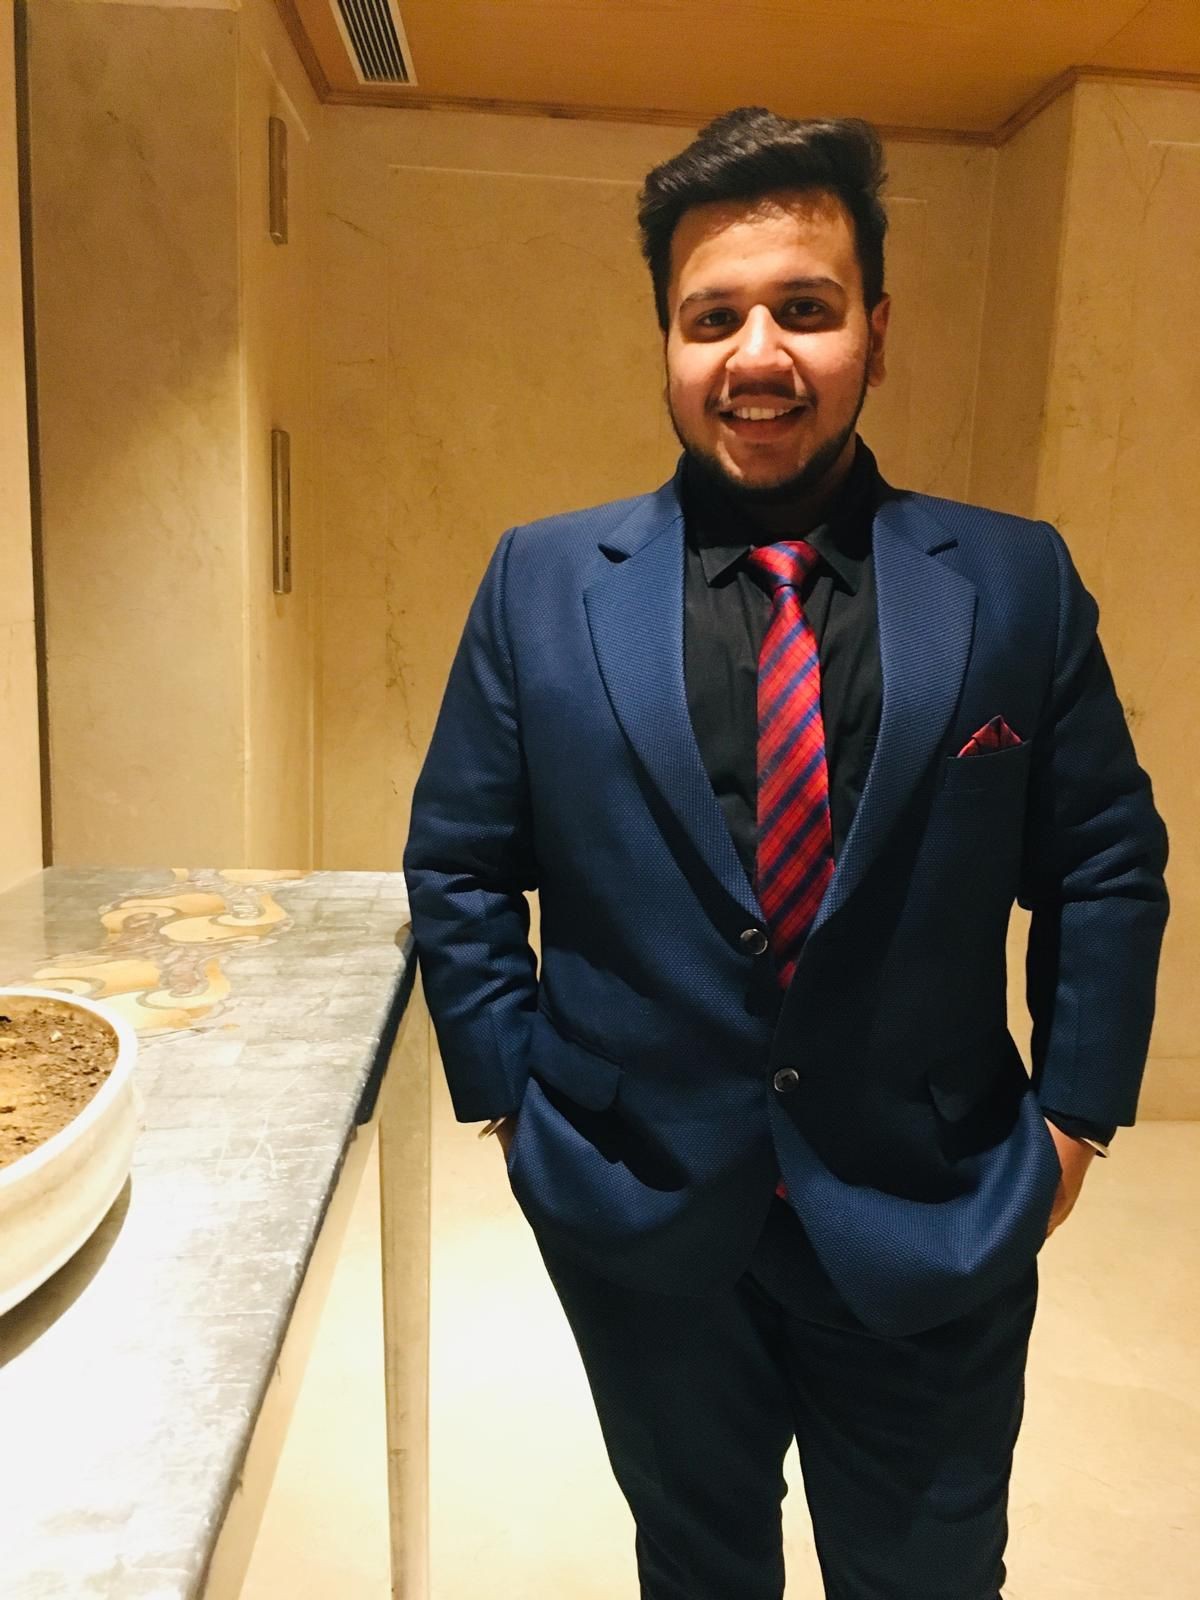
804 482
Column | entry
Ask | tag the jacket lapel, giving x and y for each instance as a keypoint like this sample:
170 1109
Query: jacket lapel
635 615
926 623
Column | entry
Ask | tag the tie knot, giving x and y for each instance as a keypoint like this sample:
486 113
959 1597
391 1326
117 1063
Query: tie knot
784 565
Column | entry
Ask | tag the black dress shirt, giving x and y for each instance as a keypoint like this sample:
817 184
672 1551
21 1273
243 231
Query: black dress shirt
726 613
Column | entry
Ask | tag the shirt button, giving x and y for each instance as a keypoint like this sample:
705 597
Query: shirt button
786 1079
753 941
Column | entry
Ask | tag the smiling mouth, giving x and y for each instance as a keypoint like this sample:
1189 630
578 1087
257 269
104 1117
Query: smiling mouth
760 413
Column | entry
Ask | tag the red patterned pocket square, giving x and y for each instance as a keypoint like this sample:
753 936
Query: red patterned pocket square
994 735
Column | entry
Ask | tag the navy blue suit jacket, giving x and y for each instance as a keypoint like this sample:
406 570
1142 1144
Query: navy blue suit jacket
642 1057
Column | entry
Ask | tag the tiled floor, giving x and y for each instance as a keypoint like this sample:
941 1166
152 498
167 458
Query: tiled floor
1105 1492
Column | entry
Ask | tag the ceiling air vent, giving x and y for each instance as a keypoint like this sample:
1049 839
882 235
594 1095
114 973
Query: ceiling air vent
374 36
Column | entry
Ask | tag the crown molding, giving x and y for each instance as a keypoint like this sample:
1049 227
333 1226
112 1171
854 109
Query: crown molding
1067 80
402 99
1046 96
302 45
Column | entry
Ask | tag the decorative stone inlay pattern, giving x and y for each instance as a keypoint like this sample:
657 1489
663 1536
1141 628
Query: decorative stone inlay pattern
156 967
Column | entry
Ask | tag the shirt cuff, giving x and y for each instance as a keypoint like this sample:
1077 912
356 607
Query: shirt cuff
1080 1128
492 1127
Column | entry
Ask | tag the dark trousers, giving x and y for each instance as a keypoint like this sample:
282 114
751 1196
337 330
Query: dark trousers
905 1443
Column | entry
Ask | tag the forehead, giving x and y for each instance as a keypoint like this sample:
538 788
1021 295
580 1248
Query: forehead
786 233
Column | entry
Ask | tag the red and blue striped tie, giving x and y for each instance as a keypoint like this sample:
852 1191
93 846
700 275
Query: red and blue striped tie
795 841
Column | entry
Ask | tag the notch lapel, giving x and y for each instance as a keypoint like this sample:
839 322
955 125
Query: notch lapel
926 625
635 616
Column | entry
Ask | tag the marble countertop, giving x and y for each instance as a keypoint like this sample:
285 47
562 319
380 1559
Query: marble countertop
266 1004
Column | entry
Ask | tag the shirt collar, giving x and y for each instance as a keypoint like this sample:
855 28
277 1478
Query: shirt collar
721 532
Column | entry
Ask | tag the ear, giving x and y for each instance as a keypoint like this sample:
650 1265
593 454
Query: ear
878 323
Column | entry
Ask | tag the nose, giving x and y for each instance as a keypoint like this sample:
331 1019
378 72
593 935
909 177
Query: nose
760 348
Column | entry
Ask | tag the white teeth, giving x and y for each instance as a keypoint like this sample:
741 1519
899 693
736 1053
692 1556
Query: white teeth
761 413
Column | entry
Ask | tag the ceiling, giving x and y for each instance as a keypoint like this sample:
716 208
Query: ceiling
971 69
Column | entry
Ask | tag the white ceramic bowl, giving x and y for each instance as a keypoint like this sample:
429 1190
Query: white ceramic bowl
53 1199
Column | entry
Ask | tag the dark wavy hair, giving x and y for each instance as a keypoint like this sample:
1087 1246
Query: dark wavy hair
751 152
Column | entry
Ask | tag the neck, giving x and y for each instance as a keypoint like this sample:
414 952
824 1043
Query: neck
799 514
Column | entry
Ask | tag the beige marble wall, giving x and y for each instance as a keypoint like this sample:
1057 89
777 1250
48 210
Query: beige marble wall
490 355
1089 384
1120 474
1024 279
21 833
276 359
172 335
921 421
135 207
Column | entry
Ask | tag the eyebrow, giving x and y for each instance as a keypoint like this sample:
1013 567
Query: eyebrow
704 296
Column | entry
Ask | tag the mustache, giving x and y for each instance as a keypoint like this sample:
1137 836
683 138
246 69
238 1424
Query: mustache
779 389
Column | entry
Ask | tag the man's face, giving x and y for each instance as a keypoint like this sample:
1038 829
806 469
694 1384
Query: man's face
770 349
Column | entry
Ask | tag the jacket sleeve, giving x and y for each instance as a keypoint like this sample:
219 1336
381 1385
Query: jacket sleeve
468 859
1096 850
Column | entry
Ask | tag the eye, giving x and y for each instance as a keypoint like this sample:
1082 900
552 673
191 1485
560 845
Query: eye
716 321
803 310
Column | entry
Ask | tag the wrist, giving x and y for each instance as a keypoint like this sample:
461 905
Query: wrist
1094 1145
1080 1130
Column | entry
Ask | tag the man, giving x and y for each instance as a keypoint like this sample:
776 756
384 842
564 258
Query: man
778 746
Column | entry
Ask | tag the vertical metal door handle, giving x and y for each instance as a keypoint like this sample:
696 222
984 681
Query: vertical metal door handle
277 180
281 509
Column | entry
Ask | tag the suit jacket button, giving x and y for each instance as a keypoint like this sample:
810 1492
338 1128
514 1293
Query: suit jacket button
786 1079
753 941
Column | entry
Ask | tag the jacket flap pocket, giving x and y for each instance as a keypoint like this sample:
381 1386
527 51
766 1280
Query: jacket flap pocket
588 1079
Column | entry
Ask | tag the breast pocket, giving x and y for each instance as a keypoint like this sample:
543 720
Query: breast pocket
997 772
973 848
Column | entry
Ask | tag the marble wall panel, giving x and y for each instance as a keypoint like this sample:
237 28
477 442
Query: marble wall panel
1149 570
276 353
362 704
20 837
1117 162
523 377
887 419
1088 378
1023 285
134 177
920 421
490 355
173 334
1114 464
